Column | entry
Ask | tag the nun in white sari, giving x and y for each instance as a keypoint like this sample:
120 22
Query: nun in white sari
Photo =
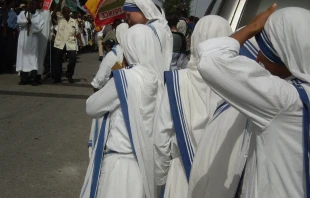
277 107
157 21
221 155
116 55
122 162
187 106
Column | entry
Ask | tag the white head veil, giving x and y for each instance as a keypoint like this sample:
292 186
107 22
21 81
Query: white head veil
160 24
145 87
288 30
208 27
121 32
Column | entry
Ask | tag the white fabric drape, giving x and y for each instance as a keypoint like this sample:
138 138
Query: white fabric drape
121 32
273 106
44 36
145 87
199 103
151 12
27 50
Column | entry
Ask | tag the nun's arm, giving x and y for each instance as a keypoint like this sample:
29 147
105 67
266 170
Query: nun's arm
243 83
104 71
163 129
103 101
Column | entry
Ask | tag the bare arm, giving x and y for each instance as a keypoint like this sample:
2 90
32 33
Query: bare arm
56 8
254 27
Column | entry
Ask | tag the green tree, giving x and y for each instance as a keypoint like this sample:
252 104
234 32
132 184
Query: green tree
172 5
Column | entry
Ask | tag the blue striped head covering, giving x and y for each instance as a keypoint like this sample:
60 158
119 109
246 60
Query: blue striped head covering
131 6
267 48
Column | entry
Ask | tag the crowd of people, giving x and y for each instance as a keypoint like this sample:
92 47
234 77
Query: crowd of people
35 42
183 107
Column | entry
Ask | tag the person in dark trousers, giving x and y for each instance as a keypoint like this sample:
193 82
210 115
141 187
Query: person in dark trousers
65 41
8 37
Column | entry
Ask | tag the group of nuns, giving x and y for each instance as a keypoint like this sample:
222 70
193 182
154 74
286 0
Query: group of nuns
234 123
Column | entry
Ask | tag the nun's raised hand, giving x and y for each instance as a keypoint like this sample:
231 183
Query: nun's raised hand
255 26
260 20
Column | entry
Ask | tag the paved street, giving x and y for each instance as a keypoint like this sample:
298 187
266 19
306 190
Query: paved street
44 133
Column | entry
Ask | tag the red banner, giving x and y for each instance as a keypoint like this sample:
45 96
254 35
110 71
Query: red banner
47 4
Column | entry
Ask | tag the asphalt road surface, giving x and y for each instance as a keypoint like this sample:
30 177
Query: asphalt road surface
44 132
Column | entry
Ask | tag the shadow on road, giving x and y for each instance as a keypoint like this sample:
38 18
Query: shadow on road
46 95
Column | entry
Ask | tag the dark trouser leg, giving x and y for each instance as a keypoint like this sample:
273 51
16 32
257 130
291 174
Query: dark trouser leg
72 63
39 79
33 77
57 67
23 78
9 51
2 49
47 58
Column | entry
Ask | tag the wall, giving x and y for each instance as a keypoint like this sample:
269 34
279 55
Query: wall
254 7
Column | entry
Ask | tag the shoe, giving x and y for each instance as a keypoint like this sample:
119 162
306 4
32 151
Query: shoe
22 82
100 58
56 81
34 83
70 79
39 79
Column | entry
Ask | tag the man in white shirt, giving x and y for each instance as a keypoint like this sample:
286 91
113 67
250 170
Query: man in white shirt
65 41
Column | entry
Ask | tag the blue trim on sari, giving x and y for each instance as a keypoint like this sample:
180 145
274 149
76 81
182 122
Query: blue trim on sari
155 31
97 161
182 134
220 109
267 48
306 115
248 50
98 158
131 7
121 87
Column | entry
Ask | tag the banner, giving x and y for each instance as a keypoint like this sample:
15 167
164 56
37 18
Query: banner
47 4
72 4
104 12
78 3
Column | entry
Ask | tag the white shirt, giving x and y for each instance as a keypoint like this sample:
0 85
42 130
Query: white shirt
106 100
275 162
66 33
100 33
182 26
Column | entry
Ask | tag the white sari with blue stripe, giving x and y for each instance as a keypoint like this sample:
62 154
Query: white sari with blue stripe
192 104
221 156
90 186
277 164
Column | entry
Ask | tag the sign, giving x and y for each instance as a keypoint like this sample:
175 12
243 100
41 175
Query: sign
47 4
111 13
104 12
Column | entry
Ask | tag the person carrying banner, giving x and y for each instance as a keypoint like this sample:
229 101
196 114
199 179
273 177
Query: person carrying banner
65 41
